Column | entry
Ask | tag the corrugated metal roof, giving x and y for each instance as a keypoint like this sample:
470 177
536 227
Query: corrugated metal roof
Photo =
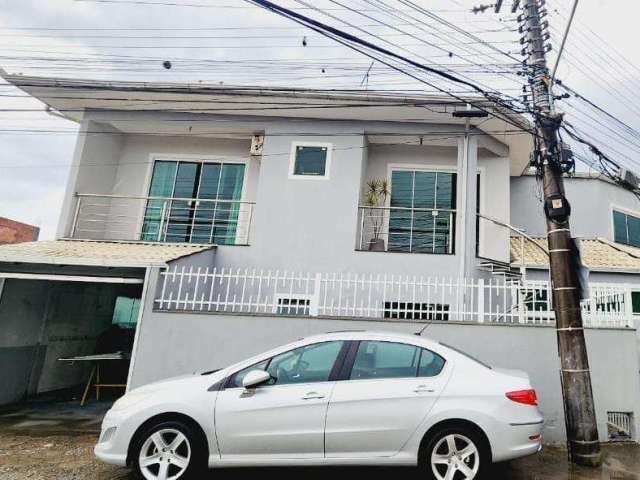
98 253
597 254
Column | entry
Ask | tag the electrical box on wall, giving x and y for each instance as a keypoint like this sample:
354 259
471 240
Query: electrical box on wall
257 141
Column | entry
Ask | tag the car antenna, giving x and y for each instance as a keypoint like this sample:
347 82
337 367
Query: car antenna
419 332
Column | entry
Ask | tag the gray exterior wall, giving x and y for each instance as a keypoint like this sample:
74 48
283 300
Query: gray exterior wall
592 203
308 225
200 342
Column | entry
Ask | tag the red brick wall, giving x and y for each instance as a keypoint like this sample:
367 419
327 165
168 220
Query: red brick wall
16 232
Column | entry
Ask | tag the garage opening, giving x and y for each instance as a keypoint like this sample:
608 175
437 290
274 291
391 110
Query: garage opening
49 330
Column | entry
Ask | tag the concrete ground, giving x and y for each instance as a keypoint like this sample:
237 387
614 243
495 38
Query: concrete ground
55 442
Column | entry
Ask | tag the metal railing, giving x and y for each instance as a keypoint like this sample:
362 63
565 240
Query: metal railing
162 219
392 297
412 230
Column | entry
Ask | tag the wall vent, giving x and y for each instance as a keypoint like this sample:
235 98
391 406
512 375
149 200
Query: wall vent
620 426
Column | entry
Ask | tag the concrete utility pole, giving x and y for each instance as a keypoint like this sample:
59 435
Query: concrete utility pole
582 432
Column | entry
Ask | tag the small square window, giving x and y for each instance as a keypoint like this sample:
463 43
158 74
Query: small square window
310 161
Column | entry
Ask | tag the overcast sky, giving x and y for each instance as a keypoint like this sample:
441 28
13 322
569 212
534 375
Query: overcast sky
89 39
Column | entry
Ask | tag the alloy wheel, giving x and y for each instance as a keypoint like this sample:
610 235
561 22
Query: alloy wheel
165 455
455 457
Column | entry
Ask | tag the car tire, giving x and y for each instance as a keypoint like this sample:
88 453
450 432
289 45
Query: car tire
470 458
169 449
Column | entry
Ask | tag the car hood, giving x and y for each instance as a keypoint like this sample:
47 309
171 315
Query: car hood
181 381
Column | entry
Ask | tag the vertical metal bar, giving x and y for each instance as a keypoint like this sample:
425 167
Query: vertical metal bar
76 214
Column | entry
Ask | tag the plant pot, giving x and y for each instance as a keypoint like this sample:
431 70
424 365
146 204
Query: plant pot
376 245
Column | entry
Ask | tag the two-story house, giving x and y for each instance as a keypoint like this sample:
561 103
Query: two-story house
219 221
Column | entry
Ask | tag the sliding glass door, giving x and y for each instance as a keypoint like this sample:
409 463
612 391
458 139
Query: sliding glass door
421 217
199 202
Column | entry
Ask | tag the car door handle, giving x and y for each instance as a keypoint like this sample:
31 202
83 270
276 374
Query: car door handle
313 396
423 389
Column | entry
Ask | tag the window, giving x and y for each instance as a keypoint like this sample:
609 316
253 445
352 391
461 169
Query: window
626 229
394 360
312 363
635 302
431 364
416 311
212 215
125 312
421 218
310 160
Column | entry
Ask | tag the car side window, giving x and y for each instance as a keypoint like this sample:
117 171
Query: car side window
385 360
236 378
431 364
311 363
394 360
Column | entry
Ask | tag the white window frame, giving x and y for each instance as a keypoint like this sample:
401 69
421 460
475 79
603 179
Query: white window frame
625 211
420 167
327 163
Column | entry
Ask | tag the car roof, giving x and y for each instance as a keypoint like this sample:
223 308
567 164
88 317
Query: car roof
372 335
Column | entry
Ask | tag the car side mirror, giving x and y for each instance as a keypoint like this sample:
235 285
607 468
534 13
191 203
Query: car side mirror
255 378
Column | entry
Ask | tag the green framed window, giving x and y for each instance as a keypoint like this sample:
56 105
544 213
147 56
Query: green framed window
310 160
626 228
198 202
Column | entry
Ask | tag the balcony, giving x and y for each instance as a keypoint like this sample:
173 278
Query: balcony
162 219
409 230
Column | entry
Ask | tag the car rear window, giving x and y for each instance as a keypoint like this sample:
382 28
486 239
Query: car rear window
464 354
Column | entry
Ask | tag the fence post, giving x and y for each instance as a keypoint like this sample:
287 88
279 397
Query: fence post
480 287
315 299
628 307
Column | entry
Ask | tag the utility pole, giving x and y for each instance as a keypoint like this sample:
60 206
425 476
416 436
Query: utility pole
580 418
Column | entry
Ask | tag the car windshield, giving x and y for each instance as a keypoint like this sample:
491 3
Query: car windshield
466 355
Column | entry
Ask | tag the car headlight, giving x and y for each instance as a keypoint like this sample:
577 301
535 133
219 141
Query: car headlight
129 400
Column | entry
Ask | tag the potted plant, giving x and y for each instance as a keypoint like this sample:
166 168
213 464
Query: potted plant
375 197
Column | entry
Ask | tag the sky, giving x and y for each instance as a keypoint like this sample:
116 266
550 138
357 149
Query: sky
232 42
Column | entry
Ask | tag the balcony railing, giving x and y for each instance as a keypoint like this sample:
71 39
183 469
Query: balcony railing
162 219
379 296
411 230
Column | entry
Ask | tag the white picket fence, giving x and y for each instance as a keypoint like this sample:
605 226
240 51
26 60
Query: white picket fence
385 296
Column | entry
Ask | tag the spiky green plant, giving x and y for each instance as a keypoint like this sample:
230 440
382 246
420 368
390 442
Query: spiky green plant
375 196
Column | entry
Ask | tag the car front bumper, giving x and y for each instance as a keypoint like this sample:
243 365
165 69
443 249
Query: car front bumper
112 446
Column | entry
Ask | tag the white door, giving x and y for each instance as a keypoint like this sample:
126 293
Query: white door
284 419
392 388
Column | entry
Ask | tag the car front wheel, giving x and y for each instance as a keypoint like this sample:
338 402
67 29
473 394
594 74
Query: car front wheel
455 454
168 450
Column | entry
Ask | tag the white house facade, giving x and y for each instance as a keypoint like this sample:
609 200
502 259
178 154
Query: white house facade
241 218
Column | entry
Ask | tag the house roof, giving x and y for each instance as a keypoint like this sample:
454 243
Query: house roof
71 97
598 254
98 253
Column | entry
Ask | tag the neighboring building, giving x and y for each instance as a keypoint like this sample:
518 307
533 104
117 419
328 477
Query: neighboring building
16 232
238 218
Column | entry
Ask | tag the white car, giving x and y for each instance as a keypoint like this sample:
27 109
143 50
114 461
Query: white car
344 398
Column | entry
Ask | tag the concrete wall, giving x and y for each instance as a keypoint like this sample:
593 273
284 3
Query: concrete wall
95 166
299 224
592 203
22 309
215 341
